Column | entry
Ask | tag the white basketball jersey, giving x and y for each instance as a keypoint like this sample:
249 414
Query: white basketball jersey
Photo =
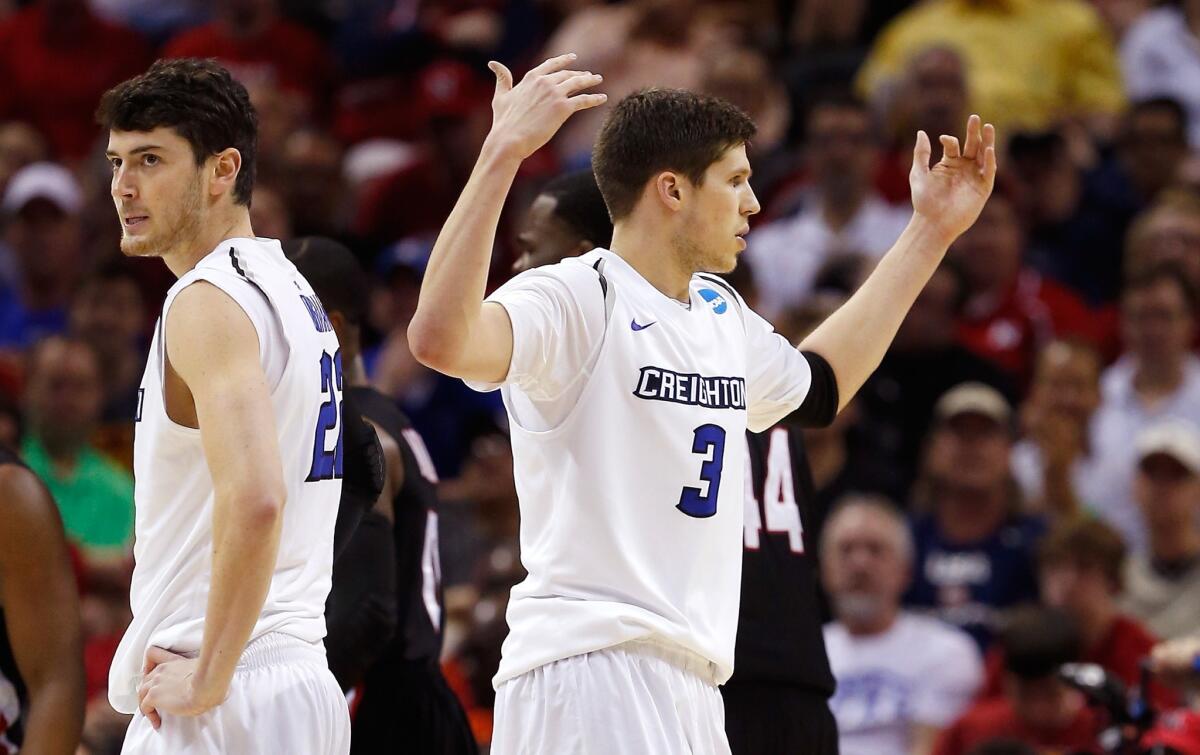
173 491
631 499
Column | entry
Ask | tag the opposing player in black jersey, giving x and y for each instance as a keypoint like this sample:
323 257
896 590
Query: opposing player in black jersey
41 645
777 699
776 702
566 218
406 704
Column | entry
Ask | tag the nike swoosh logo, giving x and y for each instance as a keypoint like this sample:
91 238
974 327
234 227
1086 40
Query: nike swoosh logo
634 324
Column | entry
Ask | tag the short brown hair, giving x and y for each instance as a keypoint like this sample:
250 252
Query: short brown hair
1088 542
662 129
197 99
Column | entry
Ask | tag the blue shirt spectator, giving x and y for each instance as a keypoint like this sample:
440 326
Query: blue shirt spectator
974 550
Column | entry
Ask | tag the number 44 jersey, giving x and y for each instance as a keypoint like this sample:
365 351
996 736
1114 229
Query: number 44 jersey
173 491
628 411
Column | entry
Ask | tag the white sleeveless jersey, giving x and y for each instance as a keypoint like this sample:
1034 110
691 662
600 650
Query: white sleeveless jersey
628 415
173 491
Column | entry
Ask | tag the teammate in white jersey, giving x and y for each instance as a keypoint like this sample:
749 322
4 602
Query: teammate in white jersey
238 453
630 377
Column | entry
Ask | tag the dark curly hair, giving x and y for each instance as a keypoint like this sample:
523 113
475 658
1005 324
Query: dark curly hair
200 101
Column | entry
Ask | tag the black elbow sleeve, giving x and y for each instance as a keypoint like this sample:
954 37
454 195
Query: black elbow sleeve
820 406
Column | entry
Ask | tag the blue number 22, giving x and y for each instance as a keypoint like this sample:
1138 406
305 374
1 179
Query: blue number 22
327 465
708 437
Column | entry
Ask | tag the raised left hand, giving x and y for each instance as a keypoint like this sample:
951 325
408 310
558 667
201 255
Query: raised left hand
950 195
169 686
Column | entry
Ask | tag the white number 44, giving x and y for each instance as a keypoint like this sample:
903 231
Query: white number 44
778 509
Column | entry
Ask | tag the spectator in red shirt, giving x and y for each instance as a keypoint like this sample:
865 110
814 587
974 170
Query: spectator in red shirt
1037 709
1081 567
1011 310
56 59
257 45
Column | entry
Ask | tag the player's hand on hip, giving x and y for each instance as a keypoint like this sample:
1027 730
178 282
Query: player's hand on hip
527 115
950 195
168 687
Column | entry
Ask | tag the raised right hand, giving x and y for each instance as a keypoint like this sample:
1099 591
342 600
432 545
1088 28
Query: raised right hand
526 116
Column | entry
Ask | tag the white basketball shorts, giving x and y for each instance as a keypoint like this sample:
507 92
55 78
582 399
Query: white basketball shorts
283 699
636 698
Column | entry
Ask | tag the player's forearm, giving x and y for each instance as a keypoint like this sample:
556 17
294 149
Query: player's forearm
855 337
55 720
361 613
245 547
455 280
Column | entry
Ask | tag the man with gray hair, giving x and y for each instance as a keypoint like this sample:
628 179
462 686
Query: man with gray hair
902 677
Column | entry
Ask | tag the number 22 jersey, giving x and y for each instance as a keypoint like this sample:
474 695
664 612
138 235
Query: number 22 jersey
628 413
173 490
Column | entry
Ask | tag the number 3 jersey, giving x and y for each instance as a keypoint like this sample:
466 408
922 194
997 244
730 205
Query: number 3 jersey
628 413
173 491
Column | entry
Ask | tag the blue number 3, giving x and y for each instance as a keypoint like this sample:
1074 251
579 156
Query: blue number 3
708 437
327 465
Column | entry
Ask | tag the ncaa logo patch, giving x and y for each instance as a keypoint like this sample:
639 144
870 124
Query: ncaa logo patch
715 300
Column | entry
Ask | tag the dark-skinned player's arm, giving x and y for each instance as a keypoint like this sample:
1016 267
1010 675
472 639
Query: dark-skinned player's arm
361 613
213 347
41 613
364 475
453 331
946 201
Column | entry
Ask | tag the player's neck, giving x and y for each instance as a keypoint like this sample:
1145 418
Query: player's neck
232 224
650 251
352 368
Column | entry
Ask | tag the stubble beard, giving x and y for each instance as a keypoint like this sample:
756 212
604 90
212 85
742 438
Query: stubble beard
182 228
696 259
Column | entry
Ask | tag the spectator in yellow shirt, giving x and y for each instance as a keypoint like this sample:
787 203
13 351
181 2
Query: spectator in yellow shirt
1029 62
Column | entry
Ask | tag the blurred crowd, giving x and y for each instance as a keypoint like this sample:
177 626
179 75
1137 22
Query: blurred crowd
1032 438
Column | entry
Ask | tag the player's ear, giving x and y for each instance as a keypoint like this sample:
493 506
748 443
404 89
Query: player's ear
668 188
226 165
